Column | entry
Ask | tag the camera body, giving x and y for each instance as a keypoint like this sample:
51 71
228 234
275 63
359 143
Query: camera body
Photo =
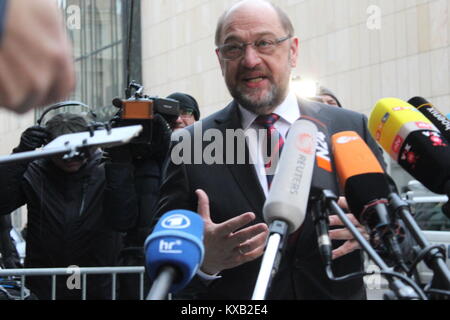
141 109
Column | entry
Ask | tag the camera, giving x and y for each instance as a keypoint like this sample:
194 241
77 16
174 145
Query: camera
141 109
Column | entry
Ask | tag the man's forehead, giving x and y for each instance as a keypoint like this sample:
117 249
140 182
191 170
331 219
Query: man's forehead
262 21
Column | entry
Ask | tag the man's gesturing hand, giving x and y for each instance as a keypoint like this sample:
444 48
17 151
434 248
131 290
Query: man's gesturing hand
226 244
344 234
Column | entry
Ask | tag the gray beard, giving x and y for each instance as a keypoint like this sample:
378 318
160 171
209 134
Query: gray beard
261 107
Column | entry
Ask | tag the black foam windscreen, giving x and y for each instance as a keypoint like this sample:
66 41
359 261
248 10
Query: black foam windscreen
432 114
426 156
363 189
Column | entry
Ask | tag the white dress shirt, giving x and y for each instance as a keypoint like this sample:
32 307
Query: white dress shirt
289 112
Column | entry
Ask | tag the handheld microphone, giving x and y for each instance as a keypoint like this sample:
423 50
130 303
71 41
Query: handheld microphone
413 141
434 115
286 205
174 252
366 189
288 196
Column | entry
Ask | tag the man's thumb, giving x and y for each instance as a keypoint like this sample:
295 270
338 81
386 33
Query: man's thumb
203 204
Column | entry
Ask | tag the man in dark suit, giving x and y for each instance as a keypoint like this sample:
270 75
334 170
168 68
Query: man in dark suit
256 50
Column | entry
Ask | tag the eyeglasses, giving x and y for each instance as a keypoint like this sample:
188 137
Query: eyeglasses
234 50
185 113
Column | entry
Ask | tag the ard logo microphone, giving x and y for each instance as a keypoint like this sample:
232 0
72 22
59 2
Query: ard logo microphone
174 252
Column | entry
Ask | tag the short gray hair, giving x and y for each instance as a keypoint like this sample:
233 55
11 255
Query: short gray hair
286 22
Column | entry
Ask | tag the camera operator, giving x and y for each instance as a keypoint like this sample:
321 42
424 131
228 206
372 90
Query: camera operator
133 179
189 111
67 225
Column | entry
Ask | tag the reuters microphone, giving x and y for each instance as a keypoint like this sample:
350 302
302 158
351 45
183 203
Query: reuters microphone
174 252
434 115
413 141
366 190
285 207
288 196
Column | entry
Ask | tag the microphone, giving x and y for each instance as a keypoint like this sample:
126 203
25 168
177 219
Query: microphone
286 205
324 188
288 196
413 141
366 189
174 252
434 115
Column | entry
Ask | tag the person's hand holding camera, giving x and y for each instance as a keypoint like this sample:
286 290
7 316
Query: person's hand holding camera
120 154
32 138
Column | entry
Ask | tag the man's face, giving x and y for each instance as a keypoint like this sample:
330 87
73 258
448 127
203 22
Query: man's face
185 119
327 100
69 166
259 82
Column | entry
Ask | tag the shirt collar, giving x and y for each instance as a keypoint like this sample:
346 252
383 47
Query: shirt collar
285 110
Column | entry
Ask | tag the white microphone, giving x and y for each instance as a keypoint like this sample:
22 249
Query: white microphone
286 204
288 196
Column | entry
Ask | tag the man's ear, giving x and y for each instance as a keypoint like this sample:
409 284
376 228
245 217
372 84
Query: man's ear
221 62
294 49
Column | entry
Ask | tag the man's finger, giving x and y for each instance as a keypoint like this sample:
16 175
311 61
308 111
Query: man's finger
235 223
252 255
342 202
255 242
248 233
203 205
336 221
346 248
341 234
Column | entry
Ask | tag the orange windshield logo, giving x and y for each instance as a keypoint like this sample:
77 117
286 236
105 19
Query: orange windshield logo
305 143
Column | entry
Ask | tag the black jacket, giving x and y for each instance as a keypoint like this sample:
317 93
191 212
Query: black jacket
66 222
133 188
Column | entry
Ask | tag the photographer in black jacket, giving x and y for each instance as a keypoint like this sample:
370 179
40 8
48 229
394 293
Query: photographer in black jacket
67 225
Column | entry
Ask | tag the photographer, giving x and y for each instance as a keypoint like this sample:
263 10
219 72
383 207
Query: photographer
67 225
189 111
133 179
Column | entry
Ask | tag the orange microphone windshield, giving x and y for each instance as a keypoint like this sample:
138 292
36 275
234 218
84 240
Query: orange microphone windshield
353 157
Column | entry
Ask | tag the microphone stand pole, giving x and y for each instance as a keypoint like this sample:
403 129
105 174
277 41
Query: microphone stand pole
271 259
401 290
161 285
434 259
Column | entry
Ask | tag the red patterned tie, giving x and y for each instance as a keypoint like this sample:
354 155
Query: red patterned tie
272 133
274 144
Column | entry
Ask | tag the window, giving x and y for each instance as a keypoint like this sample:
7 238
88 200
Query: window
99 31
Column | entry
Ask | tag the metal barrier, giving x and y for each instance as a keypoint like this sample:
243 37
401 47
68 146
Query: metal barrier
83 272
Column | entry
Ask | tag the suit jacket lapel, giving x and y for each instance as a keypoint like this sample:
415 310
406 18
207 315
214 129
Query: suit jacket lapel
244 174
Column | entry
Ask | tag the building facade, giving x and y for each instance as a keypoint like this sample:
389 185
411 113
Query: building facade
363 50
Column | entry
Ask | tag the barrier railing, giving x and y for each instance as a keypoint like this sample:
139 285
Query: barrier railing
83 272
